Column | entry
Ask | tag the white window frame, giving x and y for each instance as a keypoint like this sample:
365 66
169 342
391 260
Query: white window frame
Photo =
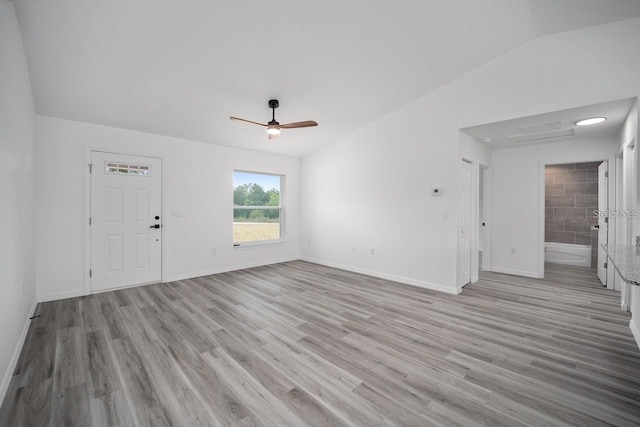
281 207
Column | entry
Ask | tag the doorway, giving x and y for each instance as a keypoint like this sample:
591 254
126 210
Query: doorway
125 221
464 225
484 213
576 223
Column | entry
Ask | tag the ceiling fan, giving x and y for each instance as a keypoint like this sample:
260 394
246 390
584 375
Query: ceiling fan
273 127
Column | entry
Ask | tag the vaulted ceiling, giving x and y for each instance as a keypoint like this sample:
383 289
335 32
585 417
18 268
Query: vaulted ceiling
181 68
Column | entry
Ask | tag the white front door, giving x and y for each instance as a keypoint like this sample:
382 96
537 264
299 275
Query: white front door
464 225
126 238
603 221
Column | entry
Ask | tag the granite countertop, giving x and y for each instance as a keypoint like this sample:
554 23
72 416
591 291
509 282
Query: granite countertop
626 260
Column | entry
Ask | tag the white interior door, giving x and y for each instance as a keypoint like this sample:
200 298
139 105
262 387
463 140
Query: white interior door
126 236
464 225
603 221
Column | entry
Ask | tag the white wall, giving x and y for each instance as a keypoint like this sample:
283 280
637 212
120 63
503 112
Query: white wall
17 280
518 199
370 189
198 182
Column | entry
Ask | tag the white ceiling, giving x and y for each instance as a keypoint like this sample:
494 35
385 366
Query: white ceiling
181 68
501 133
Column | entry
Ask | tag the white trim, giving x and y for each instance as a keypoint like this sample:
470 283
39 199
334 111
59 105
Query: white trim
8 375
399 279
87 228
258 243
512 272
61 295
486 203
635 332
119 288
542 204
80 292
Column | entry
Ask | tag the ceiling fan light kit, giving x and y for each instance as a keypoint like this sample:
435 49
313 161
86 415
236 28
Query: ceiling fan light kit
273 127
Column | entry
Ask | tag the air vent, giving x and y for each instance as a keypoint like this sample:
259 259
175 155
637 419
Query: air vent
541 127
543 136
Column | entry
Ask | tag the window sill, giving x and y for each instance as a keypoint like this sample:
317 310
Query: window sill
257 245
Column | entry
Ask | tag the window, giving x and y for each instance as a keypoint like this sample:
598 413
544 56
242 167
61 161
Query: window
257 207
118 168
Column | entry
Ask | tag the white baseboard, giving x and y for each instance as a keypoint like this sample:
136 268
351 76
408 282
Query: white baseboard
6 379
172 278
393 278
61 295
185 276
512 272
635 332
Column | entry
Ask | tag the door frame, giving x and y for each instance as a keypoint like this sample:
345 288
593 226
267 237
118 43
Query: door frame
472 208
626 155
542 204
478 168
486 205
87 210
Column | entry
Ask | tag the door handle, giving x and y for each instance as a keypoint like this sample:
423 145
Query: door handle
155 226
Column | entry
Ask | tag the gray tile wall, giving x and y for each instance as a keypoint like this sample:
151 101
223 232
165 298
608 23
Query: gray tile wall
571 196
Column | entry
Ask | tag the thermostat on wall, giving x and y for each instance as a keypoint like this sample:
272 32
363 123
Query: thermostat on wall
436 191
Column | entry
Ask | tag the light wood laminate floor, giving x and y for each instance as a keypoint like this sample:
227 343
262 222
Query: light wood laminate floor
300 344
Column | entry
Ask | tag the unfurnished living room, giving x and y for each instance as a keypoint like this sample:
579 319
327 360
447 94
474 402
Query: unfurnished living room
319 213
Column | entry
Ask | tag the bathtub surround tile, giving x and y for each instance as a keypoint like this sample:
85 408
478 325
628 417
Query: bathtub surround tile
548 213
570 213
559 237
592 175
554 225
560 201
554 190
569 166
566 177
583 239
587 201
548 176
579 226
588 165
581 188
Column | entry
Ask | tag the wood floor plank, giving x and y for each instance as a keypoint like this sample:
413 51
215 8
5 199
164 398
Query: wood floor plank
111 410
302 344
104 378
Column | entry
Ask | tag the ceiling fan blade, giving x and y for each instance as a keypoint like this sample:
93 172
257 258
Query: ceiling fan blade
272 135
247 121
305 124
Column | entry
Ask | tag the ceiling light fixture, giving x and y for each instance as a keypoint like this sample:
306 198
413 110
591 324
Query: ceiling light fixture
590 121
273 130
